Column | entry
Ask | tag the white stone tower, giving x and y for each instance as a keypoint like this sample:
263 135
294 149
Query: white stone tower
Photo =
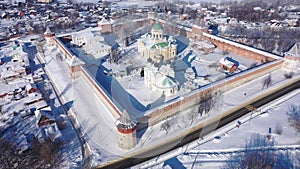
49 37
292 59
74 66
127 131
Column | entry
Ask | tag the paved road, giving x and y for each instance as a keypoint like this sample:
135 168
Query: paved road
194 135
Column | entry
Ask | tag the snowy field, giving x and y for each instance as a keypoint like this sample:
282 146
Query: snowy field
210 152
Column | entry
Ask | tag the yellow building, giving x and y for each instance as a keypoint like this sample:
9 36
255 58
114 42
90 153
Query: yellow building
155 44
44 1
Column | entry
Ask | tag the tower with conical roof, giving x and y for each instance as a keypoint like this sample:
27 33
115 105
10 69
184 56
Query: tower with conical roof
74 66
127 131
292 59
49 37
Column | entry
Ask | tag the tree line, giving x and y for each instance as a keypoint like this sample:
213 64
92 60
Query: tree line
46 154
276 40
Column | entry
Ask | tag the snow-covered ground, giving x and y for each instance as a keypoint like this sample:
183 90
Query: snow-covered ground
145 3
98 123
213 150
18 121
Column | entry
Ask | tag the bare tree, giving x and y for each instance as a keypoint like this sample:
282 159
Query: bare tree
288 75
41 47
7 154
254 64
166 126
170 27
10 157
48 153
257 156
208 101
267 82
294 116
278 129
193 114
59 56
106 4
268 44
225 52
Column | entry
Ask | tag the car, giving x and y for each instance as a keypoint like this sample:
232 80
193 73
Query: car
218 137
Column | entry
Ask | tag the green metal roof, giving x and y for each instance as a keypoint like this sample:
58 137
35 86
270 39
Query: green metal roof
157 26
161 44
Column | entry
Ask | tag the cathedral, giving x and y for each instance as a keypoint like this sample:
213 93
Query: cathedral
156 44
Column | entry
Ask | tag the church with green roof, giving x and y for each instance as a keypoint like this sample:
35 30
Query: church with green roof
157 45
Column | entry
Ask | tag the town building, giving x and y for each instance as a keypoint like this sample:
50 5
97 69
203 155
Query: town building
93 43
44 116
229 64
44 1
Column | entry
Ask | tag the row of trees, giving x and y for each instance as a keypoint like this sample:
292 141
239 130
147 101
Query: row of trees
258 150
246 12
270 39
294 116
44 154
207 103
259 154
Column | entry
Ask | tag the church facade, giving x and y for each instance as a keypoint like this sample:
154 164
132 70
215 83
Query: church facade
156 44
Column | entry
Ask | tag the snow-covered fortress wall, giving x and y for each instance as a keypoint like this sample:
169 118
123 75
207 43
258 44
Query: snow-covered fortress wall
62 48
193 98
106 100
240 49
157 114
110 105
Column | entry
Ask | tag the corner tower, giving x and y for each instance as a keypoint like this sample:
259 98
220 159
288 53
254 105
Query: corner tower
127 131
292 59
49 37
74 66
